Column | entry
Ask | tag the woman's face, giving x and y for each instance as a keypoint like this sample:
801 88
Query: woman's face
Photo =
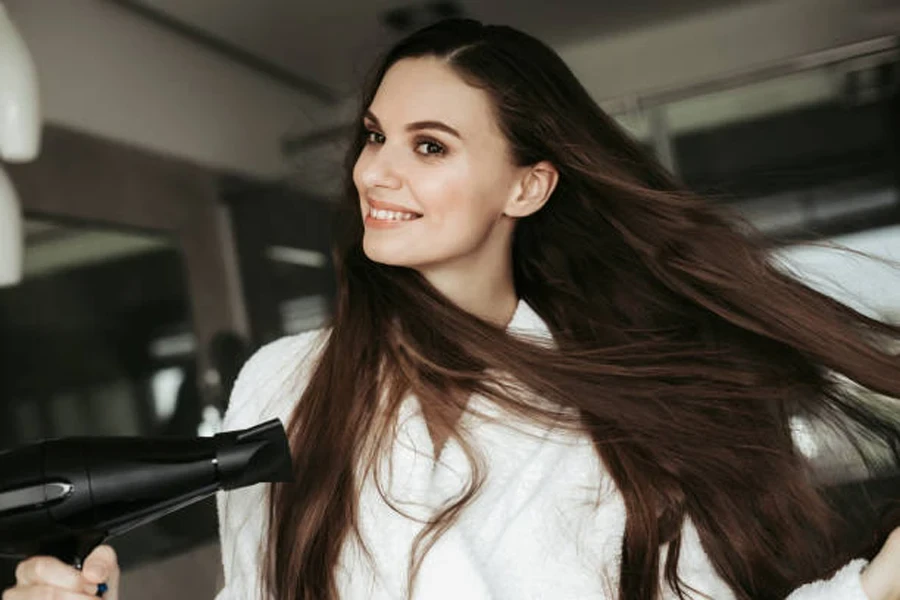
435 177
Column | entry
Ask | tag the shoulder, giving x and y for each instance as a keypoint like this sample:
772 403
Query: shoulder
271 381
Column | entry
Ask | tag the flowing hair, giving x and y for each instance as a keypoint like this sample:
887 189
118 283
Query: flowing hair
678 347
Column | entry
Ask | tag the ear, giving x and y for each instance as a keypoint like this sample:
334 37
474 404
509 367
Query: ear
533 190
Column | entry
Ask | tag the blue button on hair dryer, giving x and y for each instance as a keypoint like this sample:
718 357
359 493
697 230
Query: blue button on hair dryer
64 497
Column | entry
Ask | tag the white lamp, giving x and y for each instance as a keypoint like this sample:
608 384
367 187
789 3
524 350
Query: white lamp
11 235
20 134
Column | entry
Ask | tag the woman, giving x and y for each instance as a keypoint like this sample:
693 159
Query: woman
552 371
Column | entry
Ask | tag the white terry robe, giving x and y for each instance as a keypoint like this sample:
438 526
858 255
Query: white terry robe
534 532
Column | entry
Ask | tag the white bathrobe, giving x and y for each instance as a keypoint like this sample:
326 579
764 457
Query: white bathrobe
535 530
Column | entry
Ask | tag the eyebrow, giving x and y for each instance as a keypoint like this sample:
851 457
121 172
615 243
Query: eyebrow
419 125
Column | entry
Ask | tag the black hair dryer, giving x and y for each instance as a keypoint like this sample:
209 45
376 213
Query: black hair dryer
64 497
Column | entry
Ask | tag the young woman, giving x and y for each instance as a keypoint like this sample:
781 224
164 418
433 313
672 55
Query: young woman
552 372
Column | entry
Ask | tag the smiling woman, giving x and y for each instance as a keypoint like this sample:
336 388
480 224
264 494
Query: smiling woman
454 175
553 371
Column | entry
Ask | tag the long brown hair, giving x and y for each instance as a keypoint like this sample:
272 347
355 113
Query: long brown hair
679 348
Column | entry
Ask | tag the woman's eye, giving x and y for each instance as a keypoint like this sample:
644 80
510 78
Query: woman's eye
424 147
430 147
374 137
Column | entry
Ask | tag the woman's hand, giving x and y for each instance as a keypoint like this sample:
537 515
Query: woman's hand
881 578
43 577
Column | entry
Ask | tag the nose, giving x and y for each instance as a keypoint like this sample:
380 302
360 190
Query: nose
376 168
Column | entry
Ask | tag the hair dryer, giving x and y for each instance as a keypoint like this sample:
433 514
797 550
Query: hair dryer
64 497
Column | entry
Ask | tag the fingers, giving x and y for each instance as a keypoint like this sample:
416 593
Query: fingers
49 571
893 540
44 592
47 578
101 565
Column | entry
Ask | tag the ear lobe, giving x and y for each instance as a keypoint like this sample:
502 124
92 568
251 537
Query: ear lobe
534 190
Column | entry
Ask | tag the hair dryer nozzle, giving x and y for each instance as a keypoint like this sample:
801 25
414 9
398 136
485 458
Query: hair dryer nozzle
258 454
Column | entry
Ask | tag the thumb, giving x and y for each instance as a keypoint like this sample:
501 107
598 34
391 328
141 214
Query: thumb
102 566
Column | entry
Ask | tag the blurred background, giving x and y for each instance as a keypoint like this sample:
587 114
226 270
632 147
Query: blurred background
177 216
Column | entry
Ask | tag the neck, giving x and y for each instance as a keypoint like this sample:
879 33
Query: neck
481 287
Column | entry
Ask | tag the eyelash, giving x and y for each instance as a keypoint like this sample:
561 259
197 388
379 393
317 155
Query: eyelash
368 133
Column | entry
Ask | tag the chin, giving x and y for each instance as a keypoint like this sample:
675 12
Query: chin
394 257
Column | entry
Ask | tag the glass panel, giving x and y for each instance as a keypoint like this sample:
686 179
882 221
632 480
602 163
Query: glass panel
81 336
283 241
807 155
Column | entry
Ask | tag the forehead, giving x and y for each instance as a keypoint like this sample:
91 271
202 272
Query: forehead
426 89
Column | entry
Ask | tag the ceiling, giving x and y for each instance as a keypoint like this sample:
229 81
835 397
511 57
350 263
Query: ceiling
331 44
325 48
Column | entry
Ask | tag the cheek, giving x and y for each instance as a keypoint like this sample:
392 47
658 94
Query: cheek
460 216
456 195
441 197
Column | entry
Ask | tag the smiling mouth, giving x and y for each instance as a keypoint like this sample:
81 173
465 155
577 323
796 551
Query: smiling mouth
379 214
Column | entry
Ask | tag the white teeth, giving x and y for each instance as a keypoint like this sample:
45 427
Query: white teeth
390 215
